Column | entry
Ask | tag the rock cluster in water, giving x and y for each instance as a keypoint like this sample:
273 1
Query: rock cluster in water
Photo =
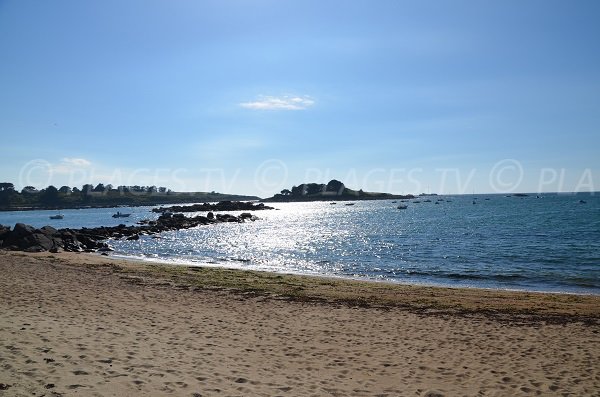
220 206
29 239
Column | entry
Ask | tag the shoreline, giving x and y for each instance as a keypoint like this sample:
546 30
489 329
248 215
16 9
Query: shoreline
366 293
365 279
84 324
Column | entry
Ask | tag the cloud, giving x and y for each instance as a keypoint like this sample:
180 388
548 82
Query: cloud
76 162
286 102
70 164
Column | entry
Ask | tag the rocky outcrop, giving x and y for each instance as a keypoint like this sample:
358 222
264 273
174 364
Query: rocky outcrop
220 206
27 238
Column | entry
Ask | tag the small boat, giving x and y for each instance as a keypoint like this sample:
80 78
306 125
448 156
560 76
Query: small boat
350 203
402 207
334 203
427 201
57 216
582 202
120 215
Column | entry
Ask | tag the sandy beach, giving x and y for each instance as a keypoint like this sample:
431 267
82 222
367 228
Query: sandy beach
78 324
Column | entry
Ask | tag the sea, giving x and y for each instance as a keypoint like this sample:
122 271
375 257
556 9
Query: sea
546 242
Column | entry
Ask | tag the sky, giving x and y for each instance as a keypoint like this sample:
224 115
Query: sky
252 97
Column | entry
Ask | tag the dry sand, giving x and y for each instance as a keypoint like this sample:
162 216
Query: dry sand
89 326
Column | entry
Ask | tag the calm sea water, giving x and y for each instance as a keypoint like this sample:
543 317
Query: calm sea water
551 243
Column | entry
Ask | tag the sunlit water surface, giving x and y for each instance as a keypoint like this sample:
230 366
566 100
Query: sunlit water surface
551 243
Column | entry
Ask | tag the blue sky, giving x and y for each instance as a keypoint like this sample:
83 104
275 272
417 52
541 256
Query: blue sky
255 96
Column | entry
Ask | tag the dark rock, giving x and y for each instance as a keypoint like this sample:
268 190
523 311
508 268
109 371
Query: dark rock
135 237
70 242
210 215
4 231
22 230
39 240
24 237
221 206
15 239
49 231
227 218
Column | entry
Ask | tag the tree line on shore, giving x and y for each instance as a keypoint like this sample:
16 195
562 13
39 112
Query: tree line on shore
100 195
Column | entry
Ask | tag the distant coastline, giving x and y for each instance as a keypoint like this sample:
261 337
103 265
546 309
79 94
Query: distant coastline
101 196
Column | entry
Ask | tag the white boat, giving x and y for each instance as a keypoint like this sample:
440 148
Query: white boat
57 216
120 215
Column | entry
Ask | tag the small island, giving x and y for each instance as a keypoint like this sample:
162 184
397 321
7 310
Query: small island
332 191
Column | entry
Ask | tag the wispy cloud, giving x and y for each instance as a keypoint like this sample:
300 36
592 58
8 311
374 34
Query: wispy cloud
76 162
69 164
286 102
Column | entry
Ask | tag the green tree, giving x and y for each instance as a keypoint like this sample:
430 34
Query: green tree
7 194
6 186
99 188
49 195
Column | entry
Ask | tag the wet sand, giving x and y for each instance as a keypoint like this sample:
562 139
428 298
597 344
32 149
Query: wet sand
75 324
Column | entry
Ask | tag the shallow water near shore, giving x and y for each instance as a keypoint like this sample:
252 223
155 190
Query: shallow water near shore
545 243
